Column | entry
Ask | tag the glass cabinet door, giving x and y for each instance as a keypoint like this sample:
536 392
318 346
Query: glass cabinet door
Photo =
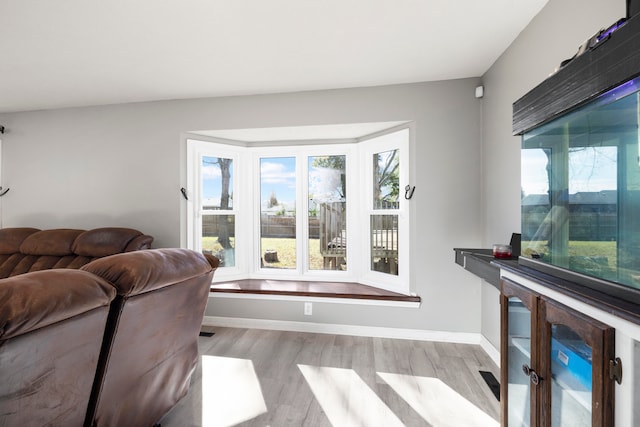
577 350
571 386
554 363
518 344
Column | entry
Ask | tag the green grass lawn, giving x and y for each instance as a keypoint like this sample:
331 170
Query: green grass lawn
587 249
286 248
211 244
604 249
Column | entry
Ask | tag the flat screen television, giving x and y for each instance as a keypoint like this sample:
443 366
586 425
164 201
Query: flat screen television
580 175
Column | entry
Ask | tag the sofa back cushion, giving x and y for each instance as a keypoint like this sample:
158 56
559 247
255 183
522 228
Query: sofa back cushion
102 242
23 250
50 242
12 238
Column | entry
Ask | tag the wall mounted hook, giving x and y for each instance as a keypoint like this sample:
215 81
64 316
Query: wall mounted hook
3 192
408 191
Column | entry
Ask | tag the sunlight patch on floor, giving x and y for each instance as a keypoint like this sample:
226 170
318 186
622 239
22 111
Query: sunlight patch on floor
346 399
231 391
437 403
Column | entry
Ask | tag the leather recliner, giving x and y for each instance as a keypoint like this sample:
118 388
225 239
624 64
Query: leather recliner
151 343
111 344
51 328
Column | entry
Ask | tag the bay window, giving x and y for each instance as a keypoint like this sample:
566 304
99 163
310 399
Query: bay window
302 211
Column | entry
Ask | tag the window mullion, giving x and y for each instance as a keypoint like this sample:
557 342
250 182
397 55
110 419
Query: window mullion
302 216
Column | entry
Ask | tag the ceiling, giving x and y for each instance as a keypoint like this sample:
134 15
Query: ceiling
71 53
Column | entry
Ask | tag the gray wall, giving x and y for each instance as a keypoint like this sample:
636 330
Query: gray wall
124 164
552 36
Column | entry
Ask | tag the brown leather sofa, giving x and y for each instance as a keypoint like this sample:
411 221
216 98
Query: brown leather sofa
111 344
29 249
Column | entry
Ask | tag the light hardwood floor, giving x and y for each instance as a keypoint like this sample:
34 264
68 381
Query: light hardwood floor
251 377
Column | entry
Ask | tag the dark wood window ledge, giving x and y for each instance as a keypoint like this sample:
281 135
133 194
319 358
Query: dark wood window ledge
310 289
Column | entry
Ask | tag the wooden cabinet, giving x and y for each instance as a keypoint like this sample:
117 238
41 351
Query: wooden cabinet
555 363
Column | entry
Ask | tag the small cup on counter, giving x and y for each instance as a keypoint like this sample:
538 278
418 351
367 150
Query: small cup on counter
502 251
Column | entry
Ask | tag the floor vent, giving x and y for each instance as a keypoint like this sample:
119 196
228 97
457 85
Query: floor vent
492 382
206 331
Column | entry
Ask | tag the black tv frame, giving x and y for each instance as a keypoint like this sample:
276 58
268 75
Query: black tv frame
609 63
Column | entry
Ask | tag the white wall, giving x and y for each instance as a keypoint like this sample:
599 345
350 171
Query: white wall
552 36
123 165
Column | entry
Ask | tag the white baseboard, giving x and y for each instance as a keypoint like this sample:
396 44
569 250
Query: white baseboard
367 331
493 352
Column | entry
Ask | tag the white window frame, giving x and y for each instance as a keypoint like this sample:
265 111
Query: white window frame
382 143
246 207
196 150
302 154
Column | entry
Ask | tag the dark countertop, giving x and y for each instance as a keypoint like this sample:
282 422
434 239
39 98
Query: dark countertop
619 307
480 263
483 264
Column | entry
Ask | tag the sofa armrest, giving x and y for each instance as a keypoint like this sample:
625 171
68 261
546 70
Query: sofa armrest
138 272
213 260
34 300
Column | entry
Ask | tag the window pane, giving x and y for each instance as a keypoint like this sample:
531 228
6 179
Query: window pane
218 231
217 183
327 210
384 244
386 179
219 238
278 212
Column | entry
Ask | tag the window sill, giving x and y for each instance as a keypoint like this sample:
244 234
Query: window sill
336 292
